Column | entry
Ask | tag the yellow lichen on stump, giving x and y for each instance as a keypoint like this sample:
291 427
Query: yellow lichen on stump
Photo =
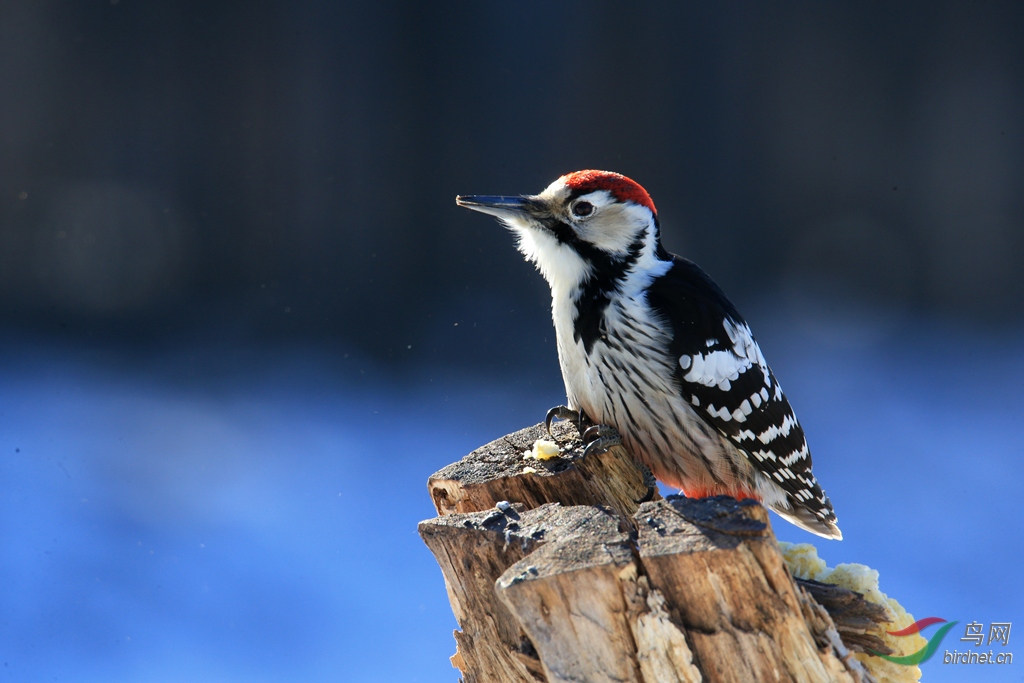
804 563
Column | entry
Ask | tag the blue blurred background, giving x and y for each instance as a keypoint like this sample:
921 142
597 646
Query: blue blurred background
242 321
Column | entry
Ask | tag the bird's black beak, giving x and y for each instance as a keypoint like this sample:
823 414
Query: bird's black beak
501 207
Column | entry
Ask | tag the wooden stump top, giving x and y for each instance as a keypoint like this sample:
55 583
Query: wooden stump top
499 471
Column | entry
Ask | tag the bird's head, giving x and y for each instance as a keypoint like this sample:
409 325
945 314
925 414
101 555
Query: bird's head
582 225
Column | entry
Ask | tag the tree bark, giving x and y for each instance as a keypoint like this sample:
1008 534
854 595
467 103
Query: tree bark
560 575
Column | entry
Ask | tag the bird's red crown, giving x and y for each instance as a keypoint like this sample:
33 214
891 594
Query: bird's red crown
620 187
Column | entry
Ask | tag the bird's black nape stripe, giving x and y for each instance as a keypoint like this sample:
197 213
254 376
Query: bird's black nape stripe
607 273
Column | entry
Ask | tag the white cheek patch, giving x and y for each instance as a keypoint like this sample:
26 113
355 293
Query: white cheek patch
614 227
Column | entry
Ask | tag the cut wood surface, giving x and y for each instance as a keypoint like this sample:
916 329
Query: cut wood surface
560 575
495 472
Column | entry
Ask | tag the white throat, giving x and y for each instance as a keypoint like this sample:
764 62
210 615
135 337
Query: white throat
561 265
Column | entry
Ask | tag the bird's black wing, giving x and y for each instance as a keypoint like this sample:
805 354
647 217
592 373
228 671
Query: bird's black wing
723 375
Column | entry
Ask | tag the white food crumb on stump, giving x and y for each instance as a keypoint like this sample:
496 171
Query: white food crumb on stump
543 450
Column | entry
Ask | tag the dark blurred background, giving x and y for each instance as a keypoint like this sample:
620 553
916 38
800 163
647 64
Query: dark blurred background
274 171
232 274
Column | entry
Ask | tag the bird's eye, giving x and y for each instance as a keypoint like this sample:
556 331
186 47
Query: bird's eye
582 209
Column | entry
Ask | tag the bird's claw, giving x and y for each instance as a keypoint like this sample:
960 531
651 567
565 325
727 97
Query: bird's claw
595 432
600 438
562 413
650 482
578 418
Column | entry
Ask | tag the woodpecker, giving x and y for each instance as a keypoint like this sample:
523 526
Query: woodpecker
651 347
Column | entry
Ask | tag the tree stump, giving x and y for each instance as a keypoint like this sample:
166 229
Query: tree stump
558 574
495 472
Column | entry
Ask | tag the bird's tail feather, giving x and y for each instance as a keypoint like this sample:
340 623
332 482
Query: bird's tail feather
808 521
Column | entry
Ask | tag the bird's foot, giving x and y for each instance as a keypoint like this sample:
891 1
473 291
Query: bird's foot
562 413
599 438
650 482
578 418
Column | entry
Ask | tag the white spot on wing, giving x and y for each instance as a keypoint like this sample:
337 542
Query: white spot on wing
795 455
721 368
768 435
720 413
